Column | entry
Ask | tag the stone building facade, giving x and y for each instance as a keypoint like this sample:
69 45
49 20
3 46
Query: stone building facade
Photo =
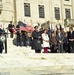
36 11
7 12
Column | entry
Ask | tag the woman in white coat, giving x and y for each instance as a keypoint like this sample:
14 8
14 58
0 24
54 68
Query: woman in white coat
45 41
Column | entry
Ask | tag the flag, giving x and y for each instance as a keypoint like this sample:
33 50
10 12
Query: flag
23 29
13 30
21 24
30 28
27 28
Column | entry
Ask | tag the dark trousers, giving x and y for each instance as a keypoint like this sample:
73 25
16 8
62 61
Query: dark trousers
18 40
53 49
32 45
30 41
24 43
71 45
11 34
66 47
60 48
37 51
1 51
71 49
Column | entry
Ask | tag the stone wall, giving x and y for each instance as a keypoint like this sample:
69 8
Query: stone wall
7 14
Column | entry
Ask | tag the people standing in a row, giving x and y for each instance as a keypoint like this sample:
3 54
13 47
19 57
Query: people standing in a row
60 42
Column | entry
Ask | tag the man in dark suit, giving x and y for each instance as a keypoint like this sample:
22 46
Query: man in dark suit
9 28
71 39
36 40
60 39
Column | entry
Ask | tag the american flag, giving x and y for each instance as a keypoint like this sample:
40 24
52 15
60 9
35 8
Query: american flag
22 24
13 30
27 28
23 27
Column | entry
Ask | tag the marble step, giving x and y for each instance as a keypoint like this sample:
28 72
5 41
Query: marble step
46 70
24 61
37 64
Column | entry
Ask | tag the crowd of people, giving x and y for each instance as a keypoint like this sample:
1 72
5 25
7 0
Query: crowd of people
51 41
57 41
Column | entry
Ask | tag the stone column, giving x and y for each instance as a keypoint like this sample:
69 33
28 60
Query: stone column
15 14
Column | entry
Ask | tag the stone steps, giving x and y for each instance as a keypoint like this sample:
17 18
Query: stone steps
37 64
24 61
41 70
14 49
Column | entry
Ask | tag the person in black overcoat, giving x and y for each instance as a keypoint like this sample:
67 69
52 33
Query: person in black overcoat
18 36
1 43
23 35
66 43
71 39
36 40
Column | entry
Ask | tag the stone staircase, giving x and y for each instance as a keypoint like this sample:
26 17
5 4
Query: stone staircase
24 61
13 49
36 64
